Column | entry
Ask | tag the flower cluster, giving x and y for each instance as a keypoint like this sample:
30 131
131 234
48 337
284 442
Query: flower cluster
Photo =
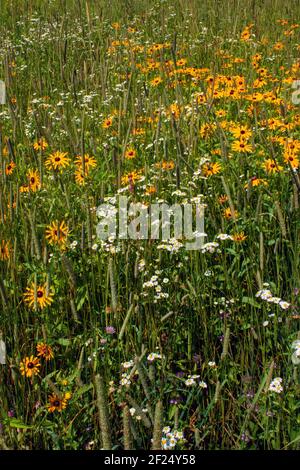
191 380
275 385
171 438
266 294
296 353
153 283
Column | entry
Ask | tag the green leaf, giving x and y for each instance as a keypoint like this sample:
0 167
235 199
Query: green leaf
82 390
250 301
64 341
16 423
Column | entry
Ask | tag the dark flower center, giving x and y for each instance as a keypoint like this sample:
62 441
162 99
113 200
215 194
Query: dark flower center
30 365
39 293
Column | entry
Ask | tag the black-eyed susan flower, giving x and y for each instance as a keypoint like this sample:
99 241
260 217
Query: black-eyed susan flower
89 162
57 233
10 168
207 130
155 81
40 144
255 181
130 153
239 237
241 132
30 366
241 146
80 176
4 250
210 169
38 295
271 166
175 110
56 403
291 160
34 182
108 122
246 34
45 351
150 190
166 165
131 177
57 161
229 215
220 113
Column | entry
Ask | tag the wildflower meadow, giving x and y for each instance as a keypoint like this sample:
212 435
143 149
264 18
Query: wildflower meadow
149 225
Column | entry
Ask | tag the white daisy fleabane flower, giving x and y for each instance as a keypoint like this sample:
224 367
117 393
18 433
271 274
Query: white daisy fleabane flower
275 385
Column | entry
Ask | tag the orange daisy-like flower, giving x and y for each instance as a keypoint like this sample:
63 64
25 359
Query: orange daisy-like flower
246 33
210 169
166 165
255 97
175 110
89 162
131 177
130 153
45 351
40 144
150 190
254 181
156 81
80 177
40 294
207 130
57 233
228 214
278 46
108 122
10 168
291 160
4 250
56 403
138 131
271 166
223 198
241 132
30 366
34 182
57 161
241 146
239 237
